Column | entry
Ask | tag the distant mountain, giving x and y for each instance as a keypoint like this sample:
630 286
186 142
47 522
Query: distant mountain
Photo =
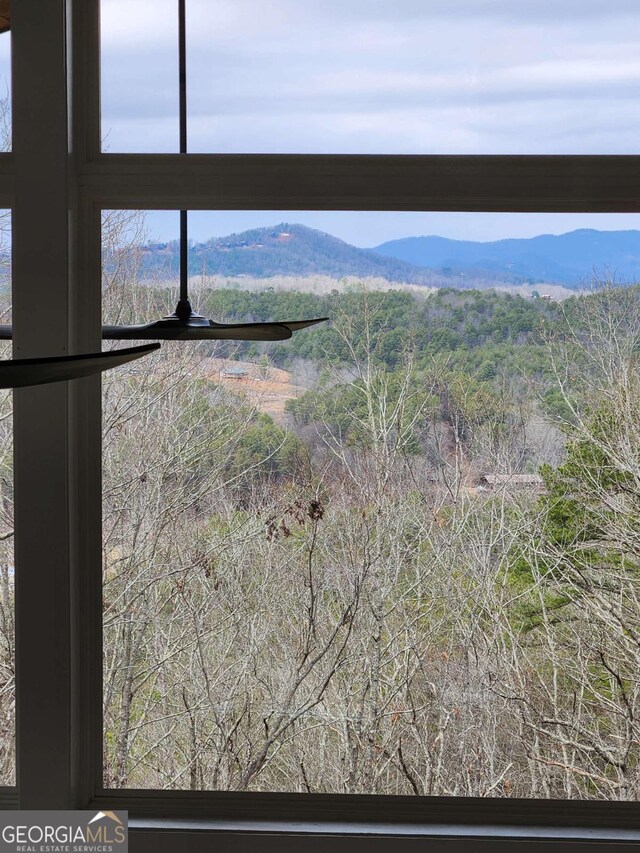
283 249
571 259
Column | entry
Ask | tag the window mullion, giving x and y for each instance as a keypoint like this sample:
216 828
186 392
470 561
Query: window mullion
46 687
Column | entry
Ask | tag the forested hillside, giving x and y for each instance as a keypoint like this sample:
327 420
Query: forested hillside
283 249
483 332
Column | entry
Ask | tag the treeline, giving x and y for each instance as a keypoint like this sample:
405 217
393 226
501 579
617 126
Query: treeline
481 330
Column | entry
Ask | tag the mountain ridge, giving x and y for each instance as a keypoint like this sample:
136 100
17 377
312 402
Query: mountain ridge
574 259
283 249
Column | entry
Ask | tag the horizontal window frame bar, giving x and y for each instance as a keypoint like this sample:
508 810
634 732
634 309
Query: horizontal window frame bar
482 183
194 841
387 829
591 815
155 840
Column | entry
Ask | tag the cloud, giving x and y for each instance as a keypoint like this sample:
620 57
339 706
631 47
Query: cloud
140 26
462 76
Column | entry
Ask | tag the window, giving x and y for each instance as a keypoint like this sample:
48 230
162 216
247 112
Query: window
57 306
330 564
373 78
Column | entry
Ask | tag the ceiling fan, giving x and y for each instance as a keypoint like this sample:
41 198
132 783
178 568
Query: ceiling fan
184 323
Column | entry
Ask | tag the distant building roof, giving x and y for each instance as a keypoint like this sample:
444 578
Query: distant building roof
235 371
512 480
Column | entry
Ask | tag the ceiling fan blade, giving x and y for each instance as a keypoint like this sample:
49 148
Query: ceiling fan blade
296 325
20 372
5 16
177 331
197 328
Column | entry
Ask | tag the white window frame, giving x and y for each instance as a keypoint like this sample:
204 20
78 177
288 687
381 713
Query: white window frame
57 181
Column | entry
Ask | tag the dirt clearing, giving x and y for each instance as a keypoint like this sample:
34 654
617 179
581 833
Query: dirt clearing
268 388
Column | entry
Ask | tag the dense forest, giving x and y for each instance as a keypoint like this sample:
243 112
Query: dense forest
473 327
421 577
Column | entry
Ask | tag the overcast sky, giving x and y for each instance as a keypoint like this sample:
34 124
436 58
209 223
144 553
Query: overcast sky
379 76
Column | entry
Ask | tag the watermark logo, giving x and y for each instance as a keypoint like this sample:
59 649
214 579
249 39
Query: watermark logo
63 832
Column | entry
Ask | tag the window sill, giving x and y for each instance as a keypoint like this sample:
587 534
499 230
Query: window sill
191 835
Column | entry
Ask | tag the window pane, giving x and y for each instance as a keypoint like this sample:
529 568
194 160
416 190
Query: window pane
7 636
407 77
139 75
5 90
397 554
